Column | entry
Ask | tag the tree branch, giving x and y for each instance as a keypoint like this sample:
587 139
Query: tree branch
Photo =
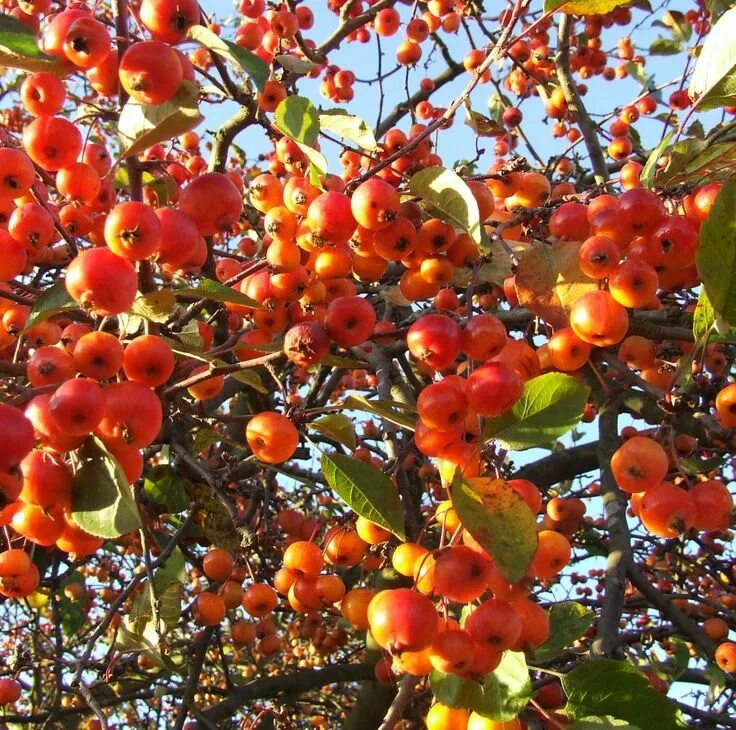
295 684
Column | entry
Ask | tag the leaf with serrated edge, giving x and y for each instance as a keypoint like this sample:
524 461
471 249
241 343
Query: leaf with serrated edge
348 126
450 196
713 82
399 413
549 406
156 306
210 289
295 64
298 118
102 500
549 280
716 254
568 621
253 65
501 696
704 317
338 427
18 48
143 125
366 490
49 302
608 687
499 519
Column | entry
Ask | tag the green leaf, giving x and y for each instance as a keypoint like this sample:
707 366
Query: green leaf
618 689
713 82
716 254
718 683
156 306
583 7
704 318
338 427
317 163
164 485
204 438
692 160
348 126
49 302
695 465
210 289
601 723
637 71
664 47
482 125
250 378
502 695
366 490
143 125
399 413
567 622
499 519
299 119
549 280
450 198
679 27
550 405
72 611
294 64
102 501
253 65
650 167
19 49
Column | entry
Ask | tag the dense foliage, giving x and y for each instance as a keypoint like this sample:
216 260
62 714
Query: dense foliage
314 421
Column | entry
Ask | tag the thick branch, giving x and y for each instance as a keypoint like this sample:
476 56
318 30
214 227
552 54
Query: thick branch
295 684
560 466
619 538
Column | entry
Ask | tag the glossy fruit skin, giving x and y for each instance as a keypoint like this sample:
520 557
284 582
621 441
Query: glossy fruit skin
374 204
725 656
552 555
349 321
272 437
167 21
483 337
42 94
495 623
148 359
598 319
667 510
150 72
713 504
213 202
726 405
435 340
442 406
461 574
402 620
102 281
330 217
77 406
492 389
52 142
18 173
132 230
16 437
132 416
639 464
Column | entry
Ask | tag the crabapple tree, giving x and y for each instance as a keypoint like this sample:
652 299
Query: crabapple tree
367 364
